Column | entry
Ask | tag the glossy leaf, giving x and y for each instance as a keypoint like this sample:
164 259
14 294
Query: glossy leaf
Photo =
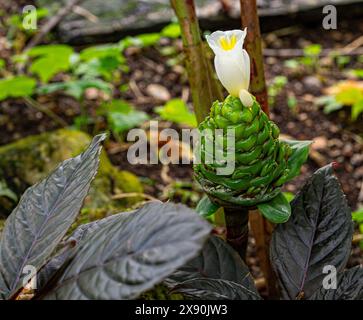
137 250
318 233
69 248
215 289
349 287
277 210
218 267
43 216
206 207
216 261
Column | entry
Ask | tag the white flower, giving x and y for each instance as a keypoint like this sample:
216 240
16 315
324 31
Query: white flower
232 62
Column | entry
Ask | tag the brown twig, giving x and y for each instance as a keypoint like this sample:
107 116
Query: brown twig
51 23
34 104
85 13
133 195
357 238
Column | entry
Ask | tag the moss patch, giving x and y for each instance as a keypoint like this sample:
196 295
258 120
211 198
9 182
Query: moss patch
27 161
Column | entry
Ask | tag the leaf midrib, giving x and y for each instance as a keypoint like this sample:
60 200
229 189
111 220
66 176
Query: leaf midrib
35 240
306 267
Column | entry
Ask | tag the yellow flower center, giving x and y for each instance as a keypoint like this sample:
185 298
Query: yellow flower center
228 43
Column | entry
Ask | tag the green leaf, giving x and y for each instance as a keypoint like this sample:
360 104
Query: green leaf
357 73
358 215
357 109
147 39
330 104
75 88
177 111
171 31
289 196
349 96
121 116
20 86
43 216
48 60
6 192
102 51
292 64
349 287
205 207
318 233
299 155
133 253
277 210
312 50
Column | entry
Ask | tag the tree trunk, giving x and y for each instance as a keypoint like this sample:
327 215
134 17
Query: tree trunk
204 87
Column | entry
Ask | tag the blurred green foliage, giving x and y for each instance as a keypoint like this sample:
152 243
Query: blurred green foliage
277 85
13 87
176 110
345 93
58 68
358 217
121 116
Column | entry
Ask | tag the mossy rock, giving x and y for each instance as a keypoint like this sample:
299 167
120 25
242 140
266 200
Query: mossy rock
27 161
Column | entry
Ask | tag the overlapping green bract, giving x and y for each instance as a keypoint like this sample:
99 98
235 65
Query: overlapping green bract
261 159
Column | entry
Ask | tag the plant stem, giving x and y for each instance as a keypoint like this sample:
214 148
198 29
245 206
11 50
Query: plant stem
253 43
237 229
204 87
262 228
37 106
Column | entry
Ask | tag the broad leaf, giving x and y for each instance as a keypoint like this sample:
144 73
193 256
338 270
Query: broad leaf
102 51
206 207
277 210
215 289
43 216
137 250
177 111
300 153
349 287
50 60
318 233
122 116
218 267
20 86
68 249
216 261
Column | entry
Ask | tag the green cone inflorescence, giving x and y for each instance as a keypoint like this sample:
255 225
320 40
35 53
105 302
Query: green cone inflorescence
260 157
